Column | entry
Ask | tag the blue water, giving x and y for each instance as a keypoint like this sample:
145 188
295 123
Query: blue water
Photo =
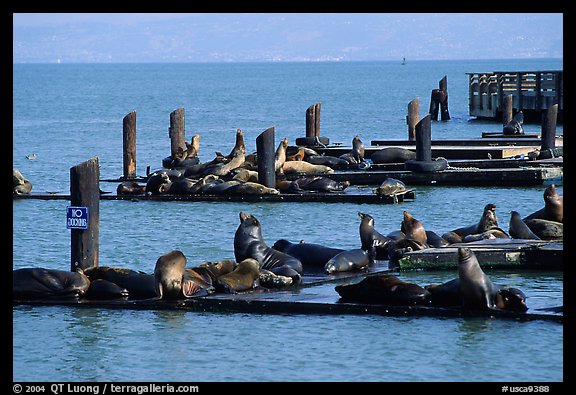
69 113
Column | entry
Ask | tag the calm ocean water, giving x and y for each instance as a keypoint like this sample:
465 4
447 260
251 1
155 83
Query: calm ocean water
69 113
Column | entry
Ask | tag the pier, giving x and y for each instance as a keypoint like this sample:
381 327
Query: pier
532 92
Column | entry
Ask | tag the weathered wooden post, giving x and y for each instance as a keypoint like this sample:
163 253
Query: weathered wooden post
176 132
412 118
439 101
311 121
129 145
266 157
443 84
317 119
424 140
548 136
507 106
84 201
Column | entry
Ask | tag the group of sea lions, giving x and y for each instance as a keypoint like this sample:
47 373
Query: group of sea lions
237 173
472 290
544 224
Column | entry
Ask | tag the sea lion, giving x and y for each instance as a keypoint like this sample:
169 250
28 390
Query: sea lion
40 283
300 155
182 186
105 290
493 233
249 243
413 229
515 125
435 241
217 269
130 188
373 241
223 168
476 288
389 187
158 183
250 188
546 230
245 175
193 148
309 254
326 160
358 149
383 289
392 155
398 248
449 294
268 279
518 228
197 281
317 184
303 167
452 237
168 274
139 285
487 221
21 186
346 261
553 209
195 189
243 278
280 156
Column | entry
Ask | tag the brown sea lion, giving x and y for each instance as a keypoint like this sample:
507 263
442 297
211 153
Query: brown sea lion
413 229
243 278
553 209
250 188
194 189
302 167
241 174
168 274
487 221
390 186
300 155
130 188
518 228
193 148
383 289
21 186
222 169
280 156
217 269
452 237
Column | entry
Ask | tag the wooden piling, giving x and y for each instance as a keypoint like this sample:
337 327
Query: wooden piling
412 118
423 140
434 100
444 113
85 192
129 145
310 121
507 106
317 119
176 132
266 157
549 127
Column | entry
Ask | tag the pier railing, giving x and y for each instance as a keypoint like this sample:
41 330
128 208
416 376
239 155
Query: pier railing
532 91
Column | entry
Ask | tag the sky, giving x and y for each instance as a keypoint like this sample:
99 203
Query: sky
276 37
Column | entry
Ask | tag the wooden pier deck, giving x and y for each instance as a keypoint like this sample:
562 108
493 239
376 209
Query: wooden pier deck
532 91
491 254
335 197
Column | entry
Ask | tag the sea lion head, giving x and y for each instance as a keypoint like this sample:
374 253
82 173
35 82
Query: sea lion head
366 218
511 299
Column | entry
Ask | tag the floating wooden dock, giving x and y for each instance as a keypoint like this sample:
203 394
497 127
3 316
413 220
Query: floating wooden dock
491 254
521 176
532 91
334 197
495 140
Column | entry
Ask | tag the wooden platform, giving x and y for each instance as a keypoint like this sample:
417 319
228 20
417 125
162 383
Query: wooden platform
491 254
448 151
492 139
306 301
461 177
336 197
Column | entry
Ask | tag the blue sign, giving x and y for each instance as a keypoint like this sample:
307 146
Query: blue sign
77 217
